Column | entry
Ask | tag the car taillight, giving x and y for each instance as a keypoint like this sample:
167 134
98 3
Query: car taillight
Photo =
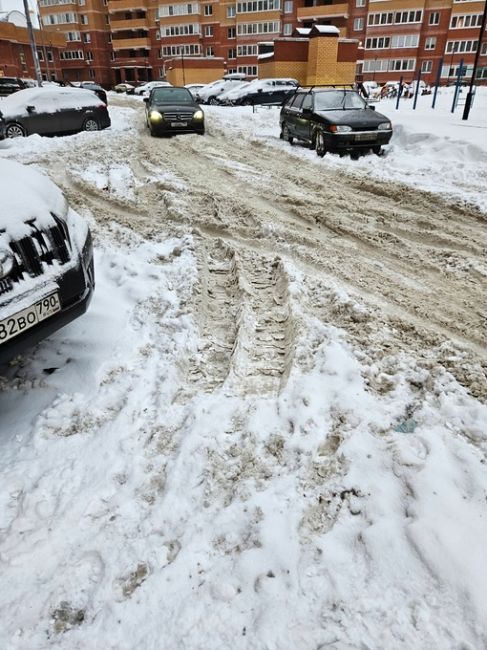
103 107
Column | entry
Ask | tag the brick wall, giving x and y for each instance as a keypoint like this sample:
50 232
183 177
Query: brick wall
322 60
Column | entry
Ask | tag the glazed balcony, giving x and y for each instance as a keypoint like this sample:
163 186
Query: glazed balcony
129 24
126 5
131 44
323 11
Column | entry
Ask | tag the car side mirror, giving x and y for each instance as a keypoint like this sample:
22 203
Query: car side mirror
259 90
372 107
307 111
145 99
31 109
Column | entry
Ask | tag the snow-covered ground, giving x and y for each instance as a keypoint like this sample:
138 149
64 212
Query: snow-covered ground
269 432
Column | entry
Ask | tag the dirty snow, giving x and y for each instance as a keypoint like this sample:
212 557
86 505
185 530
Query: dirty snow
269 432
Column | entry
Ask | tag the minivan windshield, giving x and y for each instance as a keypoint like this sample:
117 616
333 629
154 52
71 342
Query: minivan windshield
172 96
330 100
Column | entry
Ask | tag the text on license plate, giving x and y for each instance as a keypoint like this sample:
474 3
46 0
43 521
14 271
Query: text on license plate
176 124
366 136
27 318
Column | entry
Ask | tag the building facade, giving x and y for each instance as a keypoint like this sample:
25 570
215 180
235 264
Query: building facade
133 40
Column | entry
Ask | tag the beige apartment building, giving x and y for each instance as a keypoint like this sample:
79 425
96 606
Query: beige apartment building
117 40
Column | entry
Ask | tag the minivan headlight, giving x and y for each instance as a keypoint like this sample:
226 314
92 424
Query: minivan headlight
198 115
385 126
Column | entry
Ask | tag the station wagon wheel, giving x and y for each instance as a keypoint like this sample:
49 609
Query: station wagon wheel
15 131
320 144
90 124
212 101
285 135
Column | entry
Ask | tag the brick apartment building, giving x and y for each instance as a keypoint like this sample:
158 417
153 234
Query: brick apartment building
117 40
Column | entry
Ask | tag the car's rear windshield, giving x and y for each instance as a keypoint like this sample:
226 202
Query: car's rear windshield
330 100
172 96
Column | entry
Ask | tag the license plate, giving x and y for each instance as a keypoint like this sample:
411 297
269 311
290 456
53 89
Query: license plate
176 124
27 318
366 136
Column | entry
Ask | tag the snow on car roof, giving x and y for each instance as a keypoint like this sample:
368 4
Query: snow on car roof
27 194
16 103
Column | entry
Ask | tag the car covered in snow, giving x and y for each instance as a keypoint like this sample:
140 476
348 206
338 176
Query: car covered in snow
46 259
53 110
123 87
209 94
336 120
263 91
173 110
9 85
146 88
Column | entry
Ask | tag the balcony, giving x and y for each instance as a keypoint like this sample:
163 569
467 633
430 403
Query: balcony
131 44
125 5
323 11
128 25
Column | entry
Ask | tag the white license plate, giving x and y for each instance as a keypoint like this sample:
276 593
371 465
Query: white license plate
366 136
176 124
27 318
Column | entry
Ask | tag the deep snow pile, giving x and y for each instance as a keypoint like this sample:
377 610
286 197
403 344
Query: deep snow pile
144 506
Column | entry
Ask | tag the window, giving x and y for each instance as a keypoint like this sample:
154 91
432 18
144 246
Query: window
402 65
72 56
378 43
297 100
86 38
158 34
247 50
481 73
307 101
84 19
81 2
405 40
464 22
210 51
209 30
231 11
179 10
434 18
181 30
208 10
178 50
408 17
379 19
288 7
461 46
50 58
59 19
72 36
288 29
245 29
258 5
249 70
358 24
109 38
89 56
231 32
360 3
426 66
92 73
430 43
376 65
40 55
107 20
484 48
232 53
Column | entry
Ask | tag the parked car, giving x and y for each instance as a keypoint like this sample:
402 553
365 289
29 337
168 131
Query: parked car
173 110
96 88
336 120
264 91
209 94
193 88
224 98
134 85
2 127
9 85
46 260
145 89
123 87
53 110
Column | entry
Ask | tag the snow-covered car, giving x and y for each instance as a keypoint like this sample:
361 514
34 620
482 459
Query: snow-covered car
225 97
209 93
145 89
9 85
53 110
263 91
372 90
46 259
194 88
123 87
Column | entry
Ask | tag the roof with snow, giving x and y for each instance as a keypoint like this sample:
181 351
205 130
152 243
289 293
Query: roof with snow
325 29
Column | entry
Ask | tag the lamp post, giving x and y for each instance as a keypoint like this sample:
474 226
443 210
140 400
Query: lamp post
32 42
182 66
468 101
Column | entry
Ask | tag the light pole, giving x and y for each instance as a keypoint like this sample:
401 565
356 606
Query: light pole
33 44
468 101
